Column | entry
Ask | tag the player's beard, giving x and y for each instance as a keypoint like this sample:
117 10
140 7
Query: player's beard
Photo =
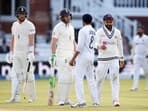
109 27
140 33
21 19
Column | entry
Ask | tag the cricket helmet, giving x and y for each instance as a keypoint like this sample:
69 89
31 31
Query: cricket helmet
65 13
21 10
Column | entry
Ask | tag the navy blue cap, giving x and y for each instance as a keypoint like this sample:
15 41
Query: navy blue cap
108 17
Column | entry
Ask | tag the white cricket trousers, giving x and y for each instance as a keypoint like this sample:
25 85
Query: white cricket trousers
139 62
64 79
19 73
110 67
84 67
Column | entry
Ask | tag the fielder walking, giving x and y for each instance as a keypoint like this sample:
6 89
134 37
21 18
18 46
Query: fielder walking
140 57
83 61
21 55
62 46
109 44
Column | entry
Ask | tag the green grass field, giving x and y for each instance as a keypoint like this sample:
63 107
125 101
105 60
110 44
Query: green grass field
130 101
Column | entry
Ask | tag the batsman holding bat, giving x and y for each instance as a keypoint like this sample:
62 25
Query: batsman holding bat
62 46
21 53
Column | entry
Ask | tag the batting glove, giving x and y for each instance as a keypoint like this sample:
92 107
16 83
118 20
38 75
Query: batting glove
9 57
52 81
30 56
52 60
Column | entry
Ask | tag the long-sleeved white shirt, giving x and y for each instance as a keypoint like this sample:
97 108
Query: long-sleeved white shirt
140 45
112 40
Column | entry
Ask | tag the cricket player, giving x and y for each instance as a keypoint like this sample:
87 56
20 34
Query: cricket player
83 61
21 55
62 46
109 44
140 56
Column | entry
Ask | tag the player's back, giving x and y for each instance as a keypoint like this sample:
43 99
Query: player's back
86 40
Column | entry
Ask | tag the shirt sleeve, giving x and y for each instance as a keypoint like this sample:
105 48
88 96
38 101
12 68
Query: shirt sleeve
12 29
72 33
32 29
81 41
120 46
55 32
97 40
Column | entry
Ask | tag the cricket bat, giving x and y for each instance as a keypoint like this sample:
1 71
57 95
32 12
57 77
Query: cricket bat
25 83
52 81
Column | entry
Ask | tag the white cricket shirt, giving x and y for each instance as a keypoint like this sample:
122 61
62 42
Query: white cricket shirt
86 40
113 42
21 34
140 45
65 35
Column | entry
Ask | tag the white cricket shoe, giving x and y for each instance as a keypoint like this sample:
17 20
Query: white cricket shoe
30 100
116 103
133 89
95 105
61 103
78 105
13 100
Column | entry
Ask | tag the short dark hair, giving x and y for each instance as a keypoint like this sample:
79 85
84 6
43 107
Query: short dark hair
87 18
107 17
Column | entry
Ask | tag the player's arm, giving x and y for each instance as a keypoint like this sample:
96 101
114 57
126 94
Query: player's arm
55 35
98 43
146 45
31 42
54 45
12 44
31 37
133 47
80 45
120 50
9 56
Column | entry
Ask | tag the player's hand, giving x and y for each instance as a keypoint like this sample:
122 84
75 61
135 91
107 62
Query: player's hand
72 62
121 63
30 57
9 57
52 60
103 47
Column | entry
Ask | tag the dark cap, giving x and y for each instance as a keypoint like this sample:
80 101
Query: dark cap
108 17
